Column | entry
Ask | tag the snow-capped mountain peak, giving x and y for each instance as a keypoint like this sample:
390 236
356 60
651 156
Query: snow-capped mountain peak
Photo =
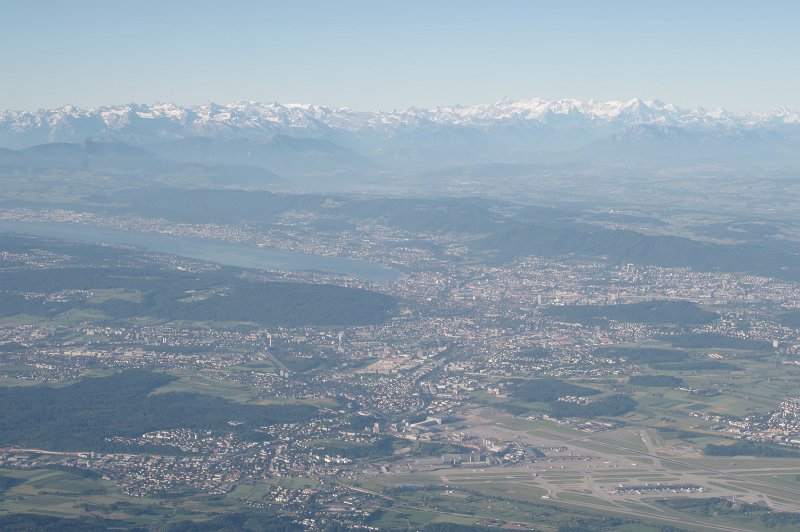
141 124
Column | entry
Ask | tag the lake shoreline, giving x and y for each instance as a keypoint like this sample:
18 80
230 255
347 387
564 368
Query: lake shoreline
208 249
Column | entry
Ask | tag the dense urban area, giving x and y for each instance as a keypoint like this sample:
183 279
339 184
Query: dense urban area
481 372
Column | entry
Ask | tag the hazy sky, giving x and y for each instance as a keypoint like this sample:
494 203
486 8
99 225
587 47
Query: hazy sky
395 54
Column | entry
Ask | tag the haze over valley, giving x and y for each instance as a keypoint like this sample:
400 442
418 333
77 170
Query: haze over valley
382 310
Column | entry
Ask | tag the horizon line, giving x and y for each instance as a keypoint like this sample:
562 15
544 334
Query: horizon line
504 100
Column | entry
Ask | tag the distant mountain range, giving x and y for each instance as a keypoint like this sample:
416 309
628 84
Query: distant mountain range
301 139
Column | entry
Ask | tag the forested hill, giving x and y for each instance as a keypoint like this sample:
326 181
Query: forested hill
80 417
498 232
147 288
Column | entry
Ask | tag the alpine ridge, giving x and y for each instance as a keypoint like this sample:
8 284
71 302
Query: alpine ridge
163 121
342 139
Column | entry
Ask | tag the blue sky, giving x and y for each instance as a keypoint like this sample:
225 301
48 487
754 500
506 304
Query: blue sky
395 54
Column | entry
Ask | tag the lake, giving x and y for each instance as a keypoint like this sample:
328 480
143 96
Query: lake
208 249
